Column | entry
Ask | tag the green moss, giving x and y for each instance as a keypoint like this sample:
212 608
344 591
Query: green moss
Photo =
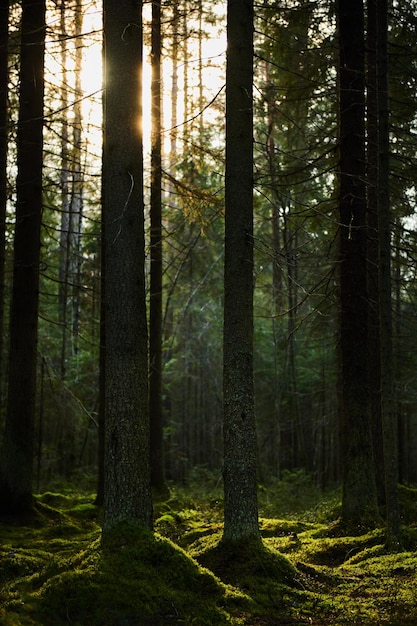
257 570
407 497
134 577
55 570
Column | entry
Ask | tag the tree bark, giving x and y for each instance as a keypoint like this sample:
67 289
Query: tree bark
127 492
18 449
64 238
372 249
4 76
389 423
240 447
155 300
359 502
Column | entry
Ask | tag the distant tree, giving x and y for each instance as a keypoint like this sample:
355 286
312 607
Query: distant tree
295 126
71 191
127 489
359 501
18 446
65 195
240 446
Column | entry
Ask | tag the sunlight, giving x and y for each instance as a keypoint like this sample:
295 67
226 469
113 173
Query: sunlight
211 68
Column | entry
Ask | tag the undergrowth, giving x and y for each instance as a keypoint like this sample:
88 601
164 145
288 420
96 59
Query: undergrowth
55 569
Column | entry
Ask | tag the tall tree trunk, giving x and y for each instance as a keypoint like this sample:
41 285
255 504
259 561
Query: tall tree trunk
186 130
359 502
76 204
389 424
65 198
18 449
127 490
101 416
240 447
372 250
4 79
274 436
174 99
155 301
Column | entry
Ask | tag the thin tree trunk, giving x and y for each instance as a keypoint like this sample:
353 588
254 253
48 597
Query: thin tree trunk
389 425
174 100
18 449
76 205
4 79
65 200
155 301
372 250
277 290
185 88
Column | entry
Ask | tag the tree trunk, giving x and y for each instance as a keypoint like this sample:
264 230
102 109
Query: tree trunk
76 204
4 76
373 252
127 491
240 448
155 300
65 199
359 502
18 450
389 424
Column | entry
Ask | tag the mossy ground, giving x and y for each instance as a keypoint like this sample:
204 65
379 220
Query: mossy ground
55 570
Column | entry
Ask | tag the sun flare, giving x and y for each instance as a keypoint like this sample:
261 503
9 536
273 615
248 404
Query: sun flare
201 74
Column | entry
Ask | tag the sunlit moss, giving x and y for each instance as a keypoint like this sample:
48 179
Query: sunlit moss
55 570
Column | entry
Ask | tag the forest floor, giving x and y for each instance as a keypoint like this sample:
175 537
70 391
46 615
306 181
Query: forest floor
54 570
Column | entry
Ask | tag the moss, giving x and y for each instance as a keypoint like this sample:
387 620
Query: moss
407 497
55 570
260 572
281 527
134 577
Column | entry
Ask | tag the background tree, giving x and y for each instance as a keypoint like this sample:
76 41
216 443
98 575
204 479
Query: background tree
295 372
18 445
402 75
127 492
240 447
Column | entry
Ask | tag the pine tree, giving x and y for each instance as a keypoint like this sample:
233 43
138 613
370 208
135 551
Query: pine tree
18 446
359 502
127 491
240 449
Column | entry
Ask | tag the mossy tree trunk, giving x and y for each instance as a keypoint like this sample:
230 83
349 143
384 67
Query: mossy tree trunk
359 501
18 449
240 449
127 491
